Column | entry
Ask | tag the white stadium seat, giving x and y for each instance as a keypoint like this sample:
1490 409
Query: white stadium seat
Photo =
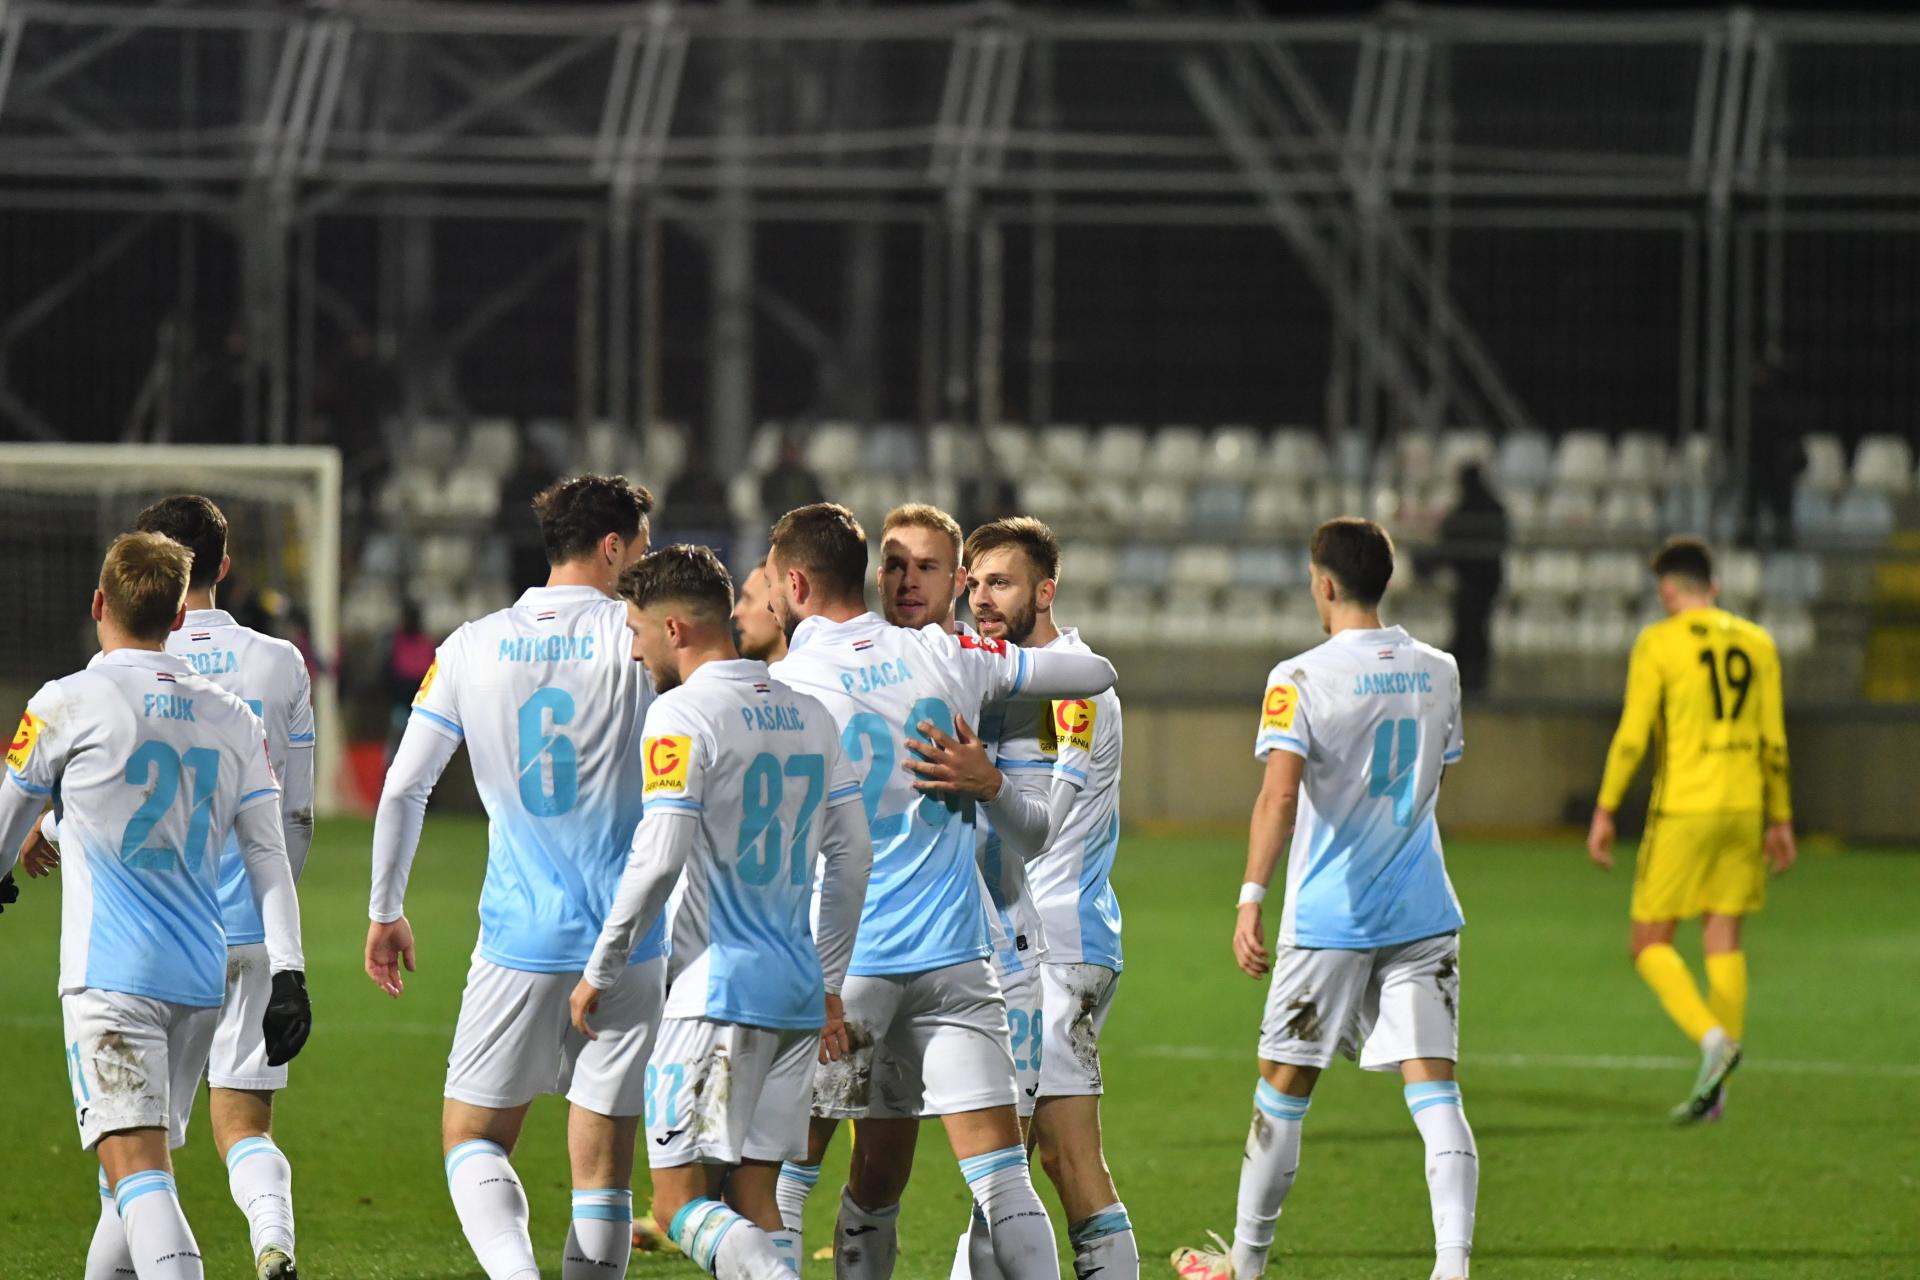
1120 451
834 450
1203 564
1883 464
1641 458
1234 453
1826 463
1461 445
1526 460
1089 565
1297 456
1583 458
493 446
1012 447
1177 453
432 444
1065 445
1164 503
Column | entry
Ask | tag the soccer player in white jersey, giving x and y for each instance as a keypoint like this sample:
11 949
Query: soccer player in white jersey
920 983
756 632
1013 568
152 767
747 793
1355 735
549 697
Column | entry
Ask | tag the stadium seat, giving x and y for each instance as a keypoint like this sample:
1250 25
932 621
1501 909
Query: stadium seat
1739 573
1297 457
1461 445
1792 628
382 555
493 446
1220 506
1583 459
1523 512
1826 463
472 492
834 450
1233 453
1353 456
1190 611
606 448
1276 505
369 607
1815 520
1791 578
1163 503
1630 513
550 444
1603 627
1570 510
1269 568
743 499
1614 575
1864 517
1525 461
1883 464
431 444
1147 565
445 558
894 449
1119 451
1089 565
1132 613
1641 458
1051 499
1203 564
1177 453
1065 445
1686 508
1013 448
955 450
1248 616
1697 460
1414 460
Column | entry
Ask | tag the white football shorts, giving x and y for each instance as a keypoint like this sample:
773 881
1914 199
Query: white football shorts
920 1044
515 1039
1383 1007
239 1056
133 1062
1025 1023
1076 999
718 1093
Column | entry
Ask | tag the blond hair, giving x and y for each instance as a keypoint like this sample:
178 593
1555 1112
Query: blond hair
144 579
924 515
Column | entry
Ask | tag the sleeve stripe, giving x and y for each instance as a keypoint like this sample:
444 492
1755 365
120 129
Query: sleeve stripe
31 788
1452 757
251 796
442 721
851 789
299 739
1286 739
1007 766
1020 670
1071 772
670 802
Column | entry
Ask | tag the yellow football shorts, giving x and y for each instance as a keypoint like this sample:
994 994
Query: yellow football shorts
1693 864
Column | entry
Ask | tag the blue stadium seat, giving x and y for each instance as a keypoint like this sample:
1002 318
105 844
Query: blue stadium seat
1220 506
1144 564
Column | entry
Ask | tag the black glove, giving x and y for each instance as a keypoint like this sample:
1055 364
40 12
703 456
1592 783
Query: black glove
9 891
289 1017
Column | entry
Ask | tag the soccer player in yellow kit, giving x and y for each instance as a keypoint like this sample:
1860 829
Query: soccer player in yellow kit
1706 685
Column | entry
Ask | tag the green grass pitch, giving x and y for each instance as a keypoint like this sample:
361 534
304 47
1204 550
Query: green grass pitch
1568 1069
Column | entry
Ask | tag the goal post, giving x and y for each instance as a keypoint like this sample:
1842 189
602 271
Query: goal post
63 503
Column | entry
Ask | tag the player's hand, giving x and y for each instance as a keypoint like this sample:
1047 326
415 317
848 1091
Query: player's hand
389 945
289 1017
953 764
9 892
38 855
833 1037
584 1000
1600 840
1250 942
1781 849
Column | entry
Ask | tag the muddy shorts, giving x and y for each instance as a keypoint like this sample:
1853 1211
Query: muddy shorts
1075 999
1384 1006
239 1057
1025 1025
133 1062
515 1039
920 1044
718 1093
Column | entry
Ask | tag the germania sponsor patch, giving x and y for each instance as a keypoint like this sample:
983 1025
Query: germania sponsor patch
667 758
426 683
1277 711
20 750
1073 723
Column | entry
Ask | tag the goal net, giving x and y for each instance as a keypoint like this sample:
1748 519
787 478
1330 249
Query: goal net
64 503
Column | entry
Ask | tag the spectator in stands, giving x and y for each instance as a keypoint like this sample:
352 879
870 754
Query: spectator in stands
695 508
1775 458
1473 541
409 656
789 485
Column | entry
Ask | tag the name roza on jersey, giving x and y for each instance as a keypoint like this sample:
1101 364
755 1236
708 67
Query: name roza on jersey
218 662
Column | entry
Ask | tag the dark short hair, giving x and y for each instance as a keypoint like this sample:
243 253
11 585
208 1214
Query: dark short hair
826 543
1358 554
576 514
1028 534
196 524
1684 557
679 574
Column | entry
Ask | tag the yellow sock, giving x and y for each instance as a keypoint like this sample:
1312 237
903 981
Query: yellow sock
1662 969
1727 990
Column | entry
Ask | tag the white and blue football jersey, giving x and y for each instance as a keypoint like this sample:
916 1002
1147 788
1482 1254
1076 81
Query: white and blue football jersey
1376 716
924 908
1081 740
550 702
148 766
758 764
1011 734
270 676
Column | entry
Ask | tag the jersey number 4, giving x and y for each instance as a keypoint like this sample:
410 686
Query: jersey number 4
1396 750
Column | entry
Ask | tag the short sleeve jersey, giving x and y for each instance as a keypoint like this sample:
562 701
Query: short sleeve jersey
270 676
1072 879
1376 715
550 702
924 909
149 766
756 764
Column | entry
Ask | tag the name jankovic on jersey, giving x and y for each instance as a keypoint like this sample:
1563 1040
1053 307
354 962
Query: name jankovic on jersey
1370 683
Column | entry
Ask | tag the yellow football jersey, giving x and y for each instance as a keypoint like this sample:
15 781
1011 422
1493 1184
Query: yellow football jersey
1706 685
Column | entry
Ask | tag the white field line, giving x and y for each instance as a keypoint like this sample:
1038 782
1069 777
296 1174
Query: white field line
1574 1061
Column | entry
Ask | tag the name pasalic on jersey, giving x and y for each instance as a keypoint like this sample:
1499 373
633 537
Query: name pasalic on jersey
547 649
879 675
774 717
1371 683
